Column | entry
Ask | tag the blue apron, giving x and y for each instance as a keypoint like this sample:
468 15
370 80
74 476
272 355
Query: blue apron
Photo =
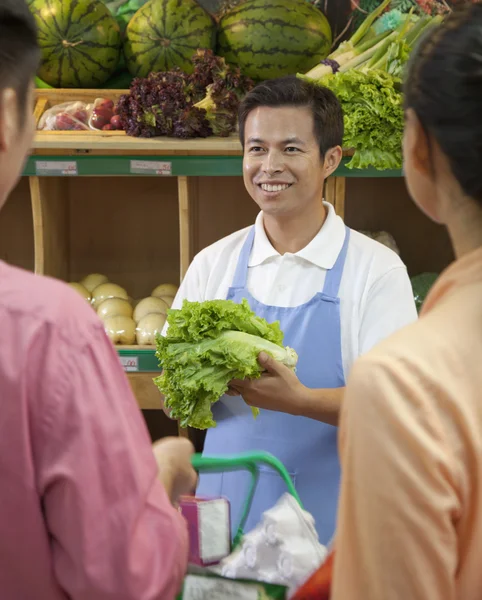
306 447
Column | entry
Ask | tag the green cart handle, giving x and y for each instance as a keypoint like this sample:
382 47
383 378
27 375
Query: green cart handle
248 461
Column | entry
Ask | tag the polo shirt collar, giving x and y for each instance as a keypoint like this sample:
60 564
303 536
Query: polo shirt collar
322 251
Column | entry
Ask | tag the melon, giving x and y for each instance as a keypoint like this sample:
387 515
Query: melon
80 42
272 38
164 34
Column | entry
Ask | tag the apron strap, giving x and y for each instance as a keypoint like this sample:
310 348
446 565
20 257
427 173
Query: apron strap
241 274
334 275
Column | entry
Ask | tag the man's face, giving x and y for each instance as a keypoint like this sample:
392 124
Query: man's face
282 167
16 135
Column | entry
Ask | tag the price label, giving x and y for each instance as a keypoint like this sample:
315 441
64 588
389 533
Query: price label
54 167
151 167
130 363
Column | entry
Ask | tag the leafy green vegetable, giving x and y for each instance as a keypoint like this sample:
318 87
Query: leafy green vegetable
421 285
372 105
206 346
197 320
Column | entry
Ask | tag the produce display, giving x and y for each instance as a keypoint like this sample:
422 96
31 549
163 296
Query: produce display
421 285
80 116
208 344
192 70
271 39
80 42
365 74
127 321
164 35
176 104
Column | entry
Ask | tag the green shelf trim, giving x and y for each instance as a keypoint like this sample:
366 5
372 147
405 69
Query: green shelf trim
142 360
189 166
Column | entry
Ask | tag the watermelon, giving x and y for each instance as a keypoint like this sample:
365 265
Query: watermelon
79 40
166 33
272 38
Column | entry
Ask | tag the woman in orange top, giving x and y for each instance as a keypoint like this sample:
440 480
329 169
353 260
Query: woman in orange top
410 513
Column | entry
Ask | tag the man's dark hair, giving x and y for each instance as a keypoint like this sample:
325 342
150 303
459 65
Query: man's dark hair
19 51
293 91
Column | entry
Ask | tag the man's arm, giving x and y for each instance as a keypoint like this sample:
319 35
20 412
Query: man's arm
114 531
388 307
396 538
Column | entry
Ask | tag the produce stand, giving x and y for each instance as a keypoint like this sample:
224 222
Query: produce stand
145 207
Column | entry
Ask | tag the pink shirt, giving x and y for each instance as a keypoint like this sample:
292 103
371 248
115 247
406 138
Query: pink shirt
82 513
410 516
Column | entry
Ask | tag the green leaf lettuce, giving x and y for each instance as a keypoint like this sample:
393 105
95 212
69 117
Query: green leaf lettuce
373 117
206 346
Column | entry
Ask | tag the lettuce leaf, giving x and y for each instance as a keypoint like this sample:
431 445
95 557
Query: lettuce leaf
197 320
373 117
200 355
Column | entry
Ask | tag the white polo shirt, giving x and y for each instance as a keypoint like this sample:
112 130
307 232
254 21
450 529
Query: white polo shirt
376 297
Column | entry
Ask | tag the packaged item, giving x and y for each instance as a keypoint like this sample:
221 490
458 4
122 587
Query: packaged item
69 116
209 526
212 587
283 549
80 116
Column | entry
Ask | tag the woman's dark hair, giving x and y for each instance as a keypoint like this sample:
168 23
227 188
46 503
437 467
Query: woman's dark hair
19 52
444 89
292 91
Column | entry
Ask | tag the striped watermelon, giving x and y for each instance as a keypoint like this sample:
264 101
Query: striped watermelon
166 33
271 38
80 42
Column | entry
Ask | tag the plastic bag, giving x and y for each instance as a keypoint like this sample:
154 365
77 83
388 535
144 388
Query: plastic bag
79 116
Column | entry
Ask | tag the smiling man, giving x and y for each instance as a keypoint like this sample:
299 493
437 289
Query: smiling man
335 292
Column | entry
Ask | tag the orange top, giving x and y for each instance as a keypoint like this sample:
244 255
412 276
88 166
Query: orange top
410 514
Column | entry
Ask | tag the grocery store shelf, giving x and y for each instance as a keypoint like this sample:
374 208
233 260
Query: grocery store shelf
159 165
113 153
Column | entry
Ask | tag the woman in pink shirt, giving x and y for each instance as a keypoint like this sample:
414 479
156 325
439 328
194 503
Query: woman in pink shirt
86 507
410 515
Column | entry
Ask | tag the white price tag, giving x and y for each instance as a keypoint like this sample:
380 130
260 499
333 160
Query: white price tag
55 167
130 363
151 167
211 588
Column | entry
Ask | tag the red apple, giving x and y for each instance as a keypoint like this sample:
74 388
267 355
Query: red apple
116 122
98 121
108 127
105 103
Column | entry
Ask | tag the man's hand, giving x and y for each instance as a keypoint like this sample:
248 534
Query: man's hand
278 388
173 456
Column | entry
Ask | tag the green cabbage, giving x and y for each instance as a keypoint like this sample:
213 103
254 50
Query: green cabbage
206 346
